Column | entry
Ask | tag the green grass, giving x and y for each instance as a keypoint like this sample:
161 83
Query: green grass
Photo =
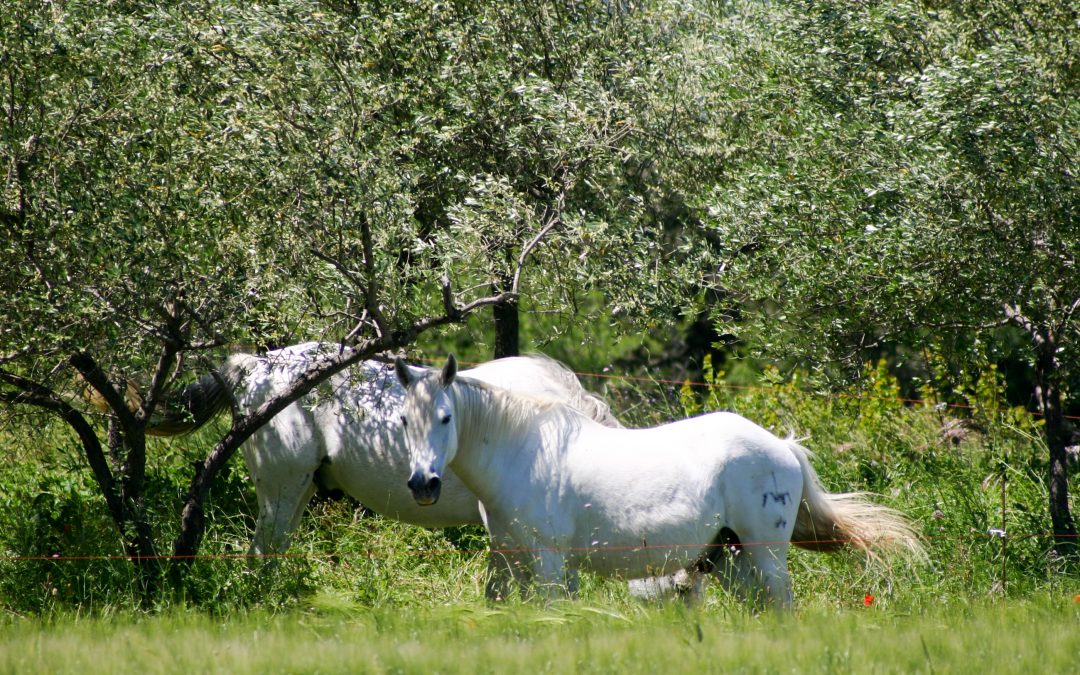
359 593
1036 635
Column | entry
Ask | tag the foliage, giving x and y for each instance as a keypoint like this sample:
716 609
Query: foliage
203 175
832 180
939 465
902 176
908 176
224 155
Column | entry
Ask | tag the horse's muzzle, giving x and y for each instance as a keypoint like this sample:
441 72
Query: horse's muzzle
425 490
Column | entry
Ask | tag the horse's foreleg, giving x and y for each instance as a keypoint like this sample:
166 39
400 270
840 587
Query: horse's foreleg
552 578
504 569
573 582
507 562
281 505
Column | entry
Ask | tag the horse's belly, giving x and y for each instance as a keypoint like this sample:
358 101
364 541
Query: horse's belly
636 555
636 562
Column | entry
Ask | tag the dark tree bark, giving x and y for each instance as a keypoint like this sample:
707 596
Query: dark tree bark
507 329
1048 391
127 445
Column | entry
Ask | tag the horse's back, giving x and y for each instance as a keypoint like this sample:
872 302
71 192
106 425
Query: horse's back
696 444
543 377
711 464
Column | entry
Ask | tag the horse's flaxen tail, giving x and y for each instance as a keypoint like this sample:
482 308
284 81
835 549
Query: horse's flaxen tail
202 400
829 522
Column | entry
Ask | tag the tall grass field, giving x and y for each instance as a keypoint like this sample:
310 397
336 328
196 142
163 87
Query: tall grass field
359 593
1026 636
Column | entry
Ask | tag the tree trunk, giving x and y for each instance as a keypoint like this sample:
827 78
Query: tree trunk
507 328
129 456
127 449
133 486
1049 394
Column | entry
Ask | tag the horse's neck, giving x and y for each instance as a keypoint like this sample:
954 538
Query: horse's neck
495 430
484 411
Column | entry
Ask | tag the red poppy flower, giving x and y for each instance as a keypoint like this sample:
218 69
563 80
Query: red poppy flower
867 600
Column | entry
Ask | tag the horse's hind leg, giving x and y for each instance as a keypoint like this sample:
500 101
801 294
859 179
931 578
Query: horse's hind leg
280 508
770 571
283 490
755 573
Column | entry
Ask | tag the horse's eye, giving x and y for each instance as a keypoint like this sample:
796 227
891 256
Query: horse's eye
404 422
446 420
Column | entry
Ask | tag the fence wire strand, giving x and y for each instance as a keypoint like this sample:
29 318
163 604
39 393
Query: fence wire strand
991 536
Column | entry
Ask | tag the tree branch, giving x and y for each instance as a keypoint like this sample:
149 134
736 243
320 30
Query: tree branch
1016 316
1069 313
554 219
166 361
36 394
96 378
371 297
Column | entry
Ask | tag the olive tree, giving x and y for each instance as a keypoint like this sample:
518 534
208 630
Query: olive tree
182 179
909 174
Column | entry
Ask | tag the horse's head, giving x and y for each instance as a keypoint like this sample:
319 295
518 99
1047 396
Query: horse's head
430 427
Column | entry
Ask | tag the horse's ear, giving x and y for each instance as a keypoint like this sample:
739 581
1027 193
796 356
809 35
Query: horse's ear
403 374
449 371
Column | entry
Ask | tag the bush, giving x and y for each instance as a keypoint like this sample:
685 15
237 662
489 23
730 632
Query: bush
941 466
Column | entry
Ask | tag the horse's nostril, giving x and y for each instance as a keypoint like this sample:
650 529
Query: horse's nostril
420 485
415 482
425 490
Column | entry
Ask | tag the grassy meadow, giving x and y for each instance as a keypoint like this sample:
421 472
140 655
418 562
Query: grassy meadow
1032 635
358 593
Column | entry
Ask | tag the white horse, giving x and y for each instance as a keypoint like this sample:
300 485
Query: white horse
345 435
716 493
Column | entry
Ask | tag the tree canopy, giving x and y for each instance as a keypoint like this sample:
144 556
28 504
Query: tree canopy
908 176
203 175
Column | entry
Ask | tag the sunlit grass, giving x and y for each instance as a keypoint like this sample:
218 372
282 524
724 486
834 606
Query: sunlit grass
359 593
338 635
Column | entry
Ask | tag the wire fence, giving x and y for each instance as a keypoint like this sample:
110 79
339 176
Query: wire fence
993 535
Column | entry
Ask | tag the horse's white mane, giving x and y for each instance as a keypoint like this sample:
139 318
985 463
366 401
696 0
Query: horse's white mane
591 405
478 402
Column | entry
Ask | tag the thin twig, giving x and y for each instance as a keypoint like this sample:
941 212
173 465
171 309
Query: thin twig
554 220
